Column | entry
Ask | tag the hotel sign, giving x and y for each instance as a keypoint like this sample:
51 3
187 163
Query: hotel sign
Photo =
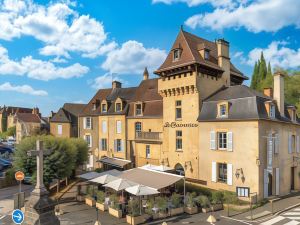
179 125
270 155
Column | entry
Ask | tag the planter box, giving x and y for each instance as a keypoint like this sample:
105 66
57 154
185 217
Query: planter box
80 198
102 207
206 210
115 212
91 202
162 215
135 220
217 207
191 210
176 211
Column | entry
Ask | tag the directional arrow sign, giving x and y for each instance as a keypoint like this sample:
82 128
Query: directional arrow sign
17 216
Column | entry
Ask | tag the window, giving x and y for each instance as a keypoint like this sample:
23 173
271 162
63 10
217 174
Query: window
242 191
176 54
119 126
104 126
222 172
118 145
178 140
222 140
206 54
223 110
59 129
138 127
147 151
118 107
272 111
178 114
88 123
293 143
88 140
103 144
104 108
138 109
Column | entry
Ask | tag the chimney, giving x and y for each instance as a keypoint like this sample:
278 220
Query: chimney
224 60
268 92
116 84
279 91
146 74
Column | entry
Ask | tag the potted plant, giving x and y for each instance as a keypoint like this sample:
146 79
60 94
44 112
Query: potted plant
204 202
134 216
149 209
162 207
100 204
176 205
191 207
217 200
89 200
114 207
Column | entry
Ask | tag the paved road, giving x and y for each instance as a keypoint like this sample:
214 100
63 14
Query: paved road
291 217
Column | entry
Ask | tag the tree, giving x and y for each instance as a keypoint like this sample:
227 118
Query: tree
268 81
262 71
59 164
254 80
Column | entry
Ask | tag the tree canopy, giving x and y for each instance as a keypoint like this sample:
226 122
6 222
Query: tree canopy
67 154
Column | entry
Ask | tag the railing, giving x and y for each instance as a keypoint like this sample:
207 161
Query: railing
148 136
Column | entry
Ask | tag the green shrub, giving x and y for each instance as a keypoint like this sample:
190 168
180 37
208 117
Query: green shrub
89 191
217 197
194 188
176 200
161 204
114 201
134 207
190 199
150 205
99 170
230 198
203 201
100 197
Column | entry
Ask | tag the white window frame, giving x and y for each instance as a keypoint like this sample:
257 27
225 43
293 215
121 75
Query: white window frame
118 110
59 129
222 141
243 191
118 126
139 112
178 140
103 106
148 152
176 54
223 110
88 141
225 174
86 123
104 126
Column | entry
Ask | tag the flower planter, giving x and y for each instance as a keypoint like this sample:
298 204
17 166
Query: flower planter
191 210
91 202
162 215
101 206
115 212
206 210
176 211
217 207
135 219
80 198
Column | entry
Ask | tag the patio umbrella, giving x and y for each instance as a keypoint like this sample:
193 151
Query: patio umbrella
104 179
120 184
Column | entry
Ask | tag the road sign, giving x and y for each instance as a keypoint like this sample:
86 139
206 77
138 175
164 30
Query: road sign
19 175
17 216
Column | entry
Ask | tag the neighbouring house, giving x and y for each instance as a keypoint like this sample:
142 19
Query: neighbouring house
64 123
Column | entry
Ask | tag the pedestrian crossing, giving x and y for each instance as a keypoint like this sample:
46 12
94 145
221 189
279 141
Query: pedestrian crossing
291 217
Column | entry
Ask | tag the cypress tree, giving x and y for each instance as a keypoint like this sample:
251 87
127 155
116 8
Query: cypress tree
254 80
262 73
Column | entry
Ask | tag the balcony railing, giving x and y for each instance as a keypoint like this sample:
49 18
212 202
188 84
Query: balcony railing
154 136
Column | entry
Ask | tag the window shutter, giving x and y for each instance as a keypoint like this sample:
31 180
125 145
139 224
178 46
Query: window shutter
229 174
277 181
266 183
115 145
91 123
214 172
119 127
100 145
298 144
229 141
84 122
91 141
104 126
122 145
277 143
270 143
213 140
290 143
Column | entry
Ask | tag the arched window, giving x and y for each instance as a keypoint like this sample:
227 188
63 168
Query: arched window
179 169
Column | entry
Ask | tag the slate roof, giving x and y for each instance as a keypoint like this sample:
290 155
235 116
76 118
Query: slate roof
13 109
190 45
68 113
28 117
244 104
147 93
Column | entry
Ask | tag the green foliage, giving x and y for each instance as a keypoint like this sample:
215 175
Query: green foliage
150 205
9 132
99 170
82 150
190 199
89 191
176 200
114 201
100 197
61 163
10 176
161 204
230 198
217 197
194 188
4 124
203 200
134 207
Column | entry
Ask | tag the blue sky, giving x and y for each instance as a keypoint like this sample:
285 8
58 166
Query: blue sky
63 51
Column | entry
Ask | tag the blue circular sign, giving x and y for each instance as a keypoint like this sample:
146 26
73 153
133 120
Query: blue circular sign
17 216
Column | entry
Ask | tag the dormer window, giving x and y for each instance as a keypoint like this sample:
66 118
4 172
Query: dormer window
138 109
272 111
176 54
206 54
223 109
103 108
118 107
94 106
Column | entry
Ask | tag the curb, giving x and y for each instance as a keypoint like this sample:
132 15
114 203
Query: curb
287 209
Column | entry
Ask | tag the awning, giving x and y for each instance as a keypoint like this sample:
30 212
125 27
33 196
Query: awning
114 162
89 175
151 178
120 184
140 190
106 177
161 168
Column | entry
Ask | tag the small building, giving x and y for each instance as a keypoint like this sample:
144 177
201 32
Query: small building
65 122
27 124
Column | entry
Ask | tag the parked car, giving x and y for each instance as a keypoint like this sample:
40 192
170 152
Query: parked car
11 141
27 179
4 149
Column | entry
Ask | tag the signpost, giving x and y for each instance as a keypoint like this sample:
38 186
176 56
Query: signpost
19 175
17 216
19 198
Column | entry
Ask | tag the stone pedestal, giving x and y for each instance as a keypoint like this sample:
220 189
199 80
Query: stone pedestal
39 210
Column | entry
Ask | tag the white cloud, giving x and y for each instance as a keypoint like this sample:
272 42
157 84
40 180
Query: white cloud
38 69
58 26
25 89
278 54
257 16
191 3
105 81
133 57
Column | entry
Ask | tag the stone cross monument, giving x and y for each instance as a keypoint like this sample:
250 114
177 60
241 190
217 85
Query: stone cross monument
39 209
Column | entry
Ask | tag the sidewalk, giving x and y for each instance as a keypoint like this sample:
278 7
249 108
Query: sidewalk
266 210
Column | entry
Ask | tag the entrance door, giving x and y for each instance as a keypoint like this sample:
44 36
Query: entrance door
292 178
270 179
